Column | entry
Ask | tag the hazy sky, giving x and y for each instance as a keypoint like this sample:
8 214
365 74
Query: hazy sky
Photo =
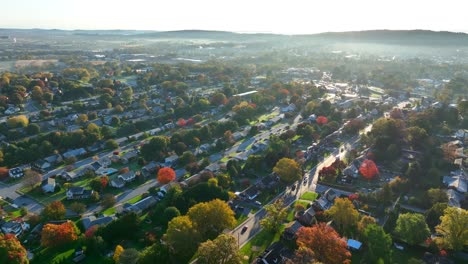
275 16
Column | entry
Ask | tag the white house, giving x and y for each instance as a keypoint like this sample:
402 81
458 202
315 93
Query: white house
117 183
14 227
127 177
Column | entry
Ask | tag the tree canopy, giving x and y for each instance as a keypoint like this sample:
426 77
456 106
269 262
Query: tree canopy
412 228
222 250
453 228
288 170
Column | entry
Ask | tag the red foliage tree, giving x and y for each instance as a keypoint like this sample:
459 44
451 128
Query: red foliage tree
321 120
11 250
325 242
3 173
54 235
327 173
166 175
104 181
368 169
91 231
190 121
181 122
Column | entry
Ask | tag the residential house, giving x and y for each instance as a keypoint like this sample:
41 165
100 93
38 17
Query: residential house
117 183
455 198
127 177
128 156
42 165
458 183
170 161
251 193
76 193
50 186
105 171
68 175
289 108
149 169
93 221
74 153
14 227
307 218
54 159
141 205
276 253
326 200
268 182
180 172
16 173
290 230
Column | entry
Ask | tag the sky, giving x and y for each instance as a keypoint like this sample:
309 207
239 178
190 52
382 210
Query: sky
268 16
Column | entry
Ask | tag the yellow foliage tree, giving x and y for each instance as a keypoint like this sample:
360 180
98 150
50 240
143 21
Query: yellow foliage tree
118 250
18 121
343 213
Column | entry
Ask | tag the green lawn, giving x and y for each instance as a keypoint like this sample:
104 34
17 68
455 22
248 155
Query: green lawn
309 196
109 211
258 244
135 199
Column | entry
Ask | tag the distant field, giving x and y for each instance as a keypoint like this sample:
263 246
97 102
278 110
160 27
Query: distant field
7 65
34 63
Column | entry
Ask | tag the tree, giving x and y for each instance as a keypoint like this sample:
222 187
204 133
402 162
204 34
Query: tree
154 149
325 242
157 253
453 228
379 244
186 158
117 252
303 255
170 213
222 250
343 213
166 175
128 256
82 118
412 228
211 218
437 196
54 211
182 237
321 120
17 121
434 213
108 200
33 129
31 178
56 235
78 208
11 250
368 169
276 215
288 170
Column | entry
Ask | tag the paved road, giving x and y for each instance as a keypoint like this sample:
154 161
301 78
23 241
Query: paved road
290 196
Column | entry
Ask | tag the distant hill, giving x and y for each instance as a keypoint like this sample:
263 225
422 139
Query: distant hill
392 37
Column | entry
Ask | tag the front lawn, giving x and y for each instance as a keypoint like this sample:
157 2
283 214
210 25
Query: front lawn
109 211
258 244
135 199
309 196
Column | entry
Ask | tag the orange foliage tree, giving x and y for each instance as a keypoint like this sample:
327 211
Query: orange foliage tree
325 242
166 175
368 169
54 235
11 250
321 120
3 173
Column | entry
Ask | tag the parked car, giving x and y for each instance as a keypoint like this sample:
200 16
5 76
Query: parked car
258 203
244 229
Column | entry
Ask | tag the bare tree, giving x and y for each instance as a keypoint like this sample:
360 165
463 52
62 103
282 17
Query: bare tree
31 178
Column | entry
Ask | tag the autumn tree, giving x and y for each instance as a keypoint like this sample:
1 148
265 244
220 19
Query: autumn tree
276 215
17 121
166 175
412 228
31 178
211 218
364 222
108 200
303 255
54 211
327 173
325 242
11 250
321 120
368 169
453 228
288 170
379 244
343 214
182 238
222 250
53 235
117 252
